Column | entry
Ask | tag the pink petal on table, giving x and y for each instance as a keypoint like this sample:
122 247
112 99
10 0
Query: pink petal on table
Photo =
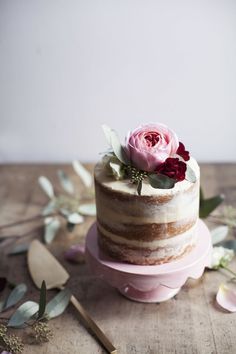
226 297
75 254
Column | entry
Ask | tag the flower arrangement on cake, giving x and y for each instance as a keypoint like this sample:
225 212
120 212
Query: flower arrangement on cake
151 152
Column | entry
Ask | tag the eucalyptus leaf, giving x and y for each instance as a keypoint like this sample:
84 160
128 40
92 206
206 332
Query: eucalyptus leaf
66 182
75 218
83 173
23 314
16 295
139 187
117 170
230 244
114 141
208 205
52 225
87 209
190 174
19 249
219 234
58 304
161 181
49 208
42 300
46 186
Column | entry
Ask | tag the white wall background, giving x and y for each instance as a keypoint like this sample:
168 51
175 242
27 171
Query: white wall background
68 66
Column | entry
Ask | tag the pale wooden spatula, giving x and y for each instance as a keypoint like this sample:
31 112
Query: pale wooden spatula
44 266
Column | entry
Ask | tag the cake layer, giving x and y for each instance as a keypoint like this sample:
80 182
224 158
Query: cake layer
153 228
145 256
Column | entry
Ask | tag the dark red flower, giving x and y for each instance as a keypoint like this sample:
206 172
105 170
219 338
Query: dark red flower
182 152
173 168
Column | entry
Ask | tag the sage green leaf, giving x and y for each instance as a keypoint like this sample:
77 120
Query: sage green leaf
23 314
46 186
117 170
190 174
75 218
81 171
58 304
16 295
219 234
230 244
161 181
139 187
66 182
208 205
52 225
87 209
114 141
49 208
42 300
19 249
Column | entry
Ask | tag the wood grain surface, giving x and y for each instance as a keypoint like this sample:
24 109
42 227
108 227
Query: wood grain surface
189 323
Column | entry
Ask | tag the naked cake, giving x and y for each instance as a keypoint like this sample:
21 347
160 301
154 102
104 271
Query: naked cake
147 197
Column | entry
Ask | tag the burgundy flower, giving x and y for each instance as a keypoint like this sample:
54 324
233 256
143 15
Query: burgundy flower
173 168
182 152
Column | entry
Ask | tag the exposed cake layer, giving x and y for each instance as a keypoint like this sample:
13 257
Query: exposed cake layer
155 252
153 228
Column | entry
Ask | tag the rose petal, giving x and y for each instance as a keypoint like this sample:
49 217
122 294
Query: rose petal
75 254
226 297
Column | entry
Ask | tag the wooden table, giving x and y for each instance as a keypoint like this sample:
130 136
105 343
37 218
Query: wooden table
189 323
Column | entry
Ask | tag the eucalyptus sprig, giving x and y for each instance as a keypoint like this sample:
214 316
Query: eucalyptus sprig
30 314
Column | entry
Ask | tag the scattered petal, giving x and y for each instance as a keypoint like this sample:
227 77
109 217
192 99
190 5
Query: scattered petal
226 297
75 254
219 234
221 257
83 173
46 185
87 209
66 182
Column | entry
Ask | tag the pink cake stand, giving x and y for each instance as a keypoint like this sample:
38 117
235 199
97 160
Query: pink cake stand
149 283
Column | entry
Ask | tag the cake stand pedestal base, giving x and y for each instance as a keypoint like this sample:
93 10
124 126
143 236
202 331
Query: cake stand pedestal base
150 283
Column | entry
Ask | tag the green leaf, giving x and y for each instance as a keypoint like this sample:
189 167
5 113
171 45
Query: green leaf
42 300
52 225
19 249
66 182
83 173
139 187
208 205
114 141
190 174
219 234
161 181
230 244
117 170
58 304
46 186
24 313
87 209
75 218
16 295
49 208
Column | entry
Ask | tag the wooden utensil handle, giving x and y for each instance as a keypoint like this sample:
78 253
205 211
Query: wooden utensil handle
93 327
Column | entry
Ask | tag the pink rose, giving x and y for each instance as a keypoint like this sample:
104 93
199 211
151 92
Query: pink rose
150 145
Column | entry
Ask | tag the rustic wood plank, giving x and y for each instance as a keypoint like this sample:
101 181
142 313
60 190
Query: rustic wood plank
189 323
